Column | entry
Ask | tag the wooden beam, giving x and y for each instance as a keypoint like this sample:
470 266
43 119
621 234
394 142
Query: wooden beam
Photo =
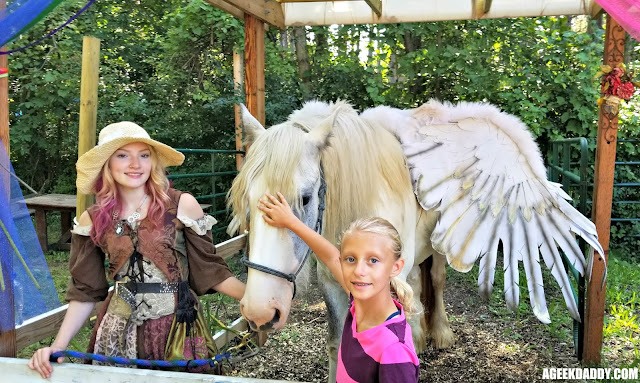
602 198
231 247
268 11
596 10
480 8
8 336
222 337
376 6
42 326
221 4
238 84
254 66
88 107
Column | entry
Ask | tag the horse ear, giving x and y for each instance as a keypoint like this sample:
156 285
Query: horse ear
252 127
320 135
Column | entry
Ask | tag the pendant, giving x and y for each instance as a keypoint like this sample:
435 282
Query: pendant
119 228
134 217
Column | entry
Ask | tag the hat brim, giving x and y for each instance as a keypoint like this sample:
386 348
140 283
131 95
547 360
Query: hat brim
90 164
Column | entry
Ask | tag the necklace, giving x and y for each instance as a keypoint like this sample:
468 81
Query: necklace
135 216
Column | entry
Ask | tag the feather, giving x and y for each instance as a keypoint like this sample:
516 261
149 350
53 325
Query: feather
488 265
531 262
554 263
511 278
553 260
481 170
568 244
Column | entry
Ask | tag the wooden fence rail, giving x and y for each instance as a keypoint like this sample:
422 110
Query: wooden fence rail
16 370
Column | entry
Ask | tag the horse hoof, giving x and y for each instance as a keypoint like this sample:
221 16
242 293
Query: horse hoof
443 339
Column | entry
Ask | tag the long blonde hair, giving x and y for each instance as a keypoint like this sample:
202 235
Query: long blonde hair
380 226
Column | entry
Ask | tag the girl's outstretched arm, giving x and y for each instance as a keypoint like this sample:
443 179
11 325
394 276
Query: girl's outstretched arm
277 212
77 313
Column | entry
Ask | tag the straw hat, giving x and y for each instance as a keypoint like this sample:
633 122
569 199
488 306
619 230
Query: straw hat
112 138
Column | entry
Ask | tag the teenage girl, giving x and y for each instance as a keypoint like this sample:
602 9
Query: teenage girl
157 241
376 341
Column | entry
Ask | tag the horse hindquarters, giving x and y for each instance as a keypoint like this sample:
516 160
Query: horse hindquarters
337 306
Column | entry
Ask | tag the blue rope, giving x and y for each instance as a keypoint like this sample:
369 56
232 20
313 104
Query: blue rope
142 362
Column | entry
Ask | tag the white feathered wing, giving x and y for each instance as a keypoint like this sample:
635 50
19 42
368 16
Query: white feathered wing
482 171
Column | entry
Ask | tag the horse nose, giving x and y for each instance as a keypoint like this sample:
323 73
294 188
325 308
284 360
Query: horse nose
265 319
269 325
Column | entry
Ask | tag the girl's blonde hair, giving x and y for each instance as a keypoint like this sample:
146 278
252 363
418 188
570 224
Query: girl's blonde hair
380 226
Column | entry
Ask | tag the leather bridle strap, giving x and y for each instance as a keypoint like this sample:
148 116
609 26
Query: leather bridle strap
292 277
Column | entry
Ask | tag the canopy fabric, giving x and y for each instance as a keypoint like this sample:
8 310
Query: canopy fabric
403 11
22 15
626 13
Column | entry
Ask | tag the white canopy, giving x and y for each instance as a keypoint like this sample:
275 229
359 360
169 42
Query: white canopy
281 13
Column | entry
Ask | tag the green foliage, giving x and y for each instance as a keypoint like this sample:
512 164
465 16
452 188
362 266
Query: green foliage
168 65
623 303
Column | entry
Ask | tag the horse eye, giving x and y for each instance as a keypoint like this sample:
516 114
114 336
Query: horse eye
305 200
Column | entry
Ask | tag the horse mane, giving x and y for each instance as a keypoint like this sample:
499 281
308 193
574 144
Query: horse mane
364 168
274 170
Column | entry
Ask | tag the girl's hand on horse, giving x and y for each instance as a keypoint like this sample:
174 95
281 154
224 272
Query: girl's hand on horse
277 211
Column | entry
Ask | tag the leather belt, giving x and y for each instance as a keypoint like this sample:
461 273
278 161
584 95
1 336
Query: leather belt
149 287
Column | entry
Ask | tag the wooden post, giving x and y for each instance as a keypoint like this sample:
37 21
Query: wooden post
254 66
254 82
602 199
238 73
88 106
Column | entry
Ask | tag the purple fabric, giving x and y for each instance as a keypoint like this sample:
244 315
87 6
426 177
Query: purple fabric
156 333
626 13
384 353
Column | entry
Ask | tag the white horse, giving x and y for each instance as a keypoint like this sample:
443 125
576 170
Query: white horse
478 178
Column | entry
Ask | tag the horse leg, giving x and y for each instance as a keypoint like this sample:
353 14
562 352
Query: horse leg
436 315
337 305
417 322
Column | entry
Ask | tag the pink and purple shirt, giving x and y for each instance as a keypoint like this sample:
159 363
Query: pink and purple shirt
383 354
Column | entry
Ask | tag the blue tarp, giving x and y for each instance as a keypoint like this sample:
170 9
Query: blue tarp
18 224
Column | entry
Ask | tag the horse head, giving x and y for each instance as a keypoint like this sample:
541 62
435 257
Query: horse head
284 158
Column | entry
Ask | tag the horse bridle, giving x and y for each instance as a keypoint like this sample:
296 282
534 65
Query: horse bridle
292 277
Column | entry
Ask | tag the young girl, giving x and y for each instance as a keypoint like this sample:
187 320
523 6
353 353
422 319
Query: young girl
376 341
157 241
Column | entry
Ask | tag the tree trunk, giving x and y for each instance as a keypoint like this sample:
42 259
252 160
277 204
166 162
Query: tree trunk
284 42
411 44
393 69
302 57
322 46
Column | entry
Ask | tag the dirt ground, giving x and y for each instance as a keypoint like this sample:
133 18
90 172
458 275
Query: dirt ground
489 346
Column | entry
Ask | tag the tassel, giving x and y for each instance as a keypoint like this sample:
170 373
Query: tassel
187 305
